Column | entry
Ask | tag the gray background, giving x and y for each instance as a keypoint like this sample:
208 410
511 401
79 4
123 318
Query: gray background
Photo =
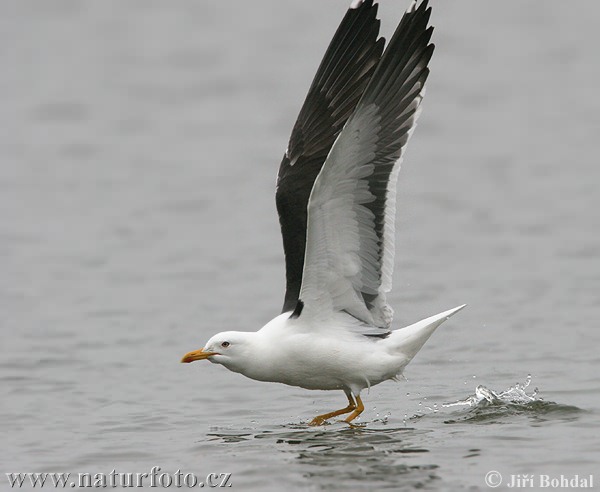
138 152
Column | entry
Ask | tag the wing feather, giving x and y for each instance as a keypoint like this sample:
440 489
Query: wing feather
351 211
342 77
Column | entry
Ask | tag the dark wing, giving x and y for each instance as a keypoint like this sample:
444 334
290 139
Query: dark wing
341 79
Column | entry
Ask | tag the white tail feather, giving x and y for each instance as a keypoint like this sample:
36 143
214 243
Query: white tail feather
410 339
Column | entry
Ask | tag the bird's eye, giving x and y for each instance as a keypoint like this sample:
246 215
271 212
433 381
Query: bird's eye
225 344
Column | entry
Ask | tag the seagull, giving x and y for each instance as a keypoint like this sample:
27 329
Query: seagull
336 199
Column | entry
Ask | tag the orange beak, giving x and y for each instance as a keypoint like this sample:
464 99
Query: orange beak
197 355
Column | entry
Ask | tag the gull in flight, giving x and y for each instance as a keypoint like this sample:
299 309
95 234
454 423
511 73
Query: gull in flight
336 199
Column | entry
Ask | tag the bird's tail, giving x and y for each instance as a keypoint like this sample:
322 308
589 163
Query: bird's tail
410 339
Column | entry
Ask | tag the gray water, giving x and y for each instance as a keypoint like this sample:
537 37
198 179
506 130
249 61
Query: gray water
138 152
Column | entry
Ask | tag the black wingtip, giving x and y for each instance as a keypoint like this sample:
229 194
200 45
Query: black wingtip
358 4
424 5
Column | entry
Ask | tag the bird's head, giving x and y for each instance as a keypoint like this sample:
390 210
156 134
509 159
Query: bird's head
227 348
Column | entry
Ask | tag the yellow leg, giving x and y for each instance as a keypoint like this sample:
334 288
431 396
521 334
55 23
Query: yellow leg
320 419
357 411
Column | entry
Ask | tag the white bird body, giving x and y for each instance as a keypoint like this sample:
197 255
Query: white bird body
336 199
330 356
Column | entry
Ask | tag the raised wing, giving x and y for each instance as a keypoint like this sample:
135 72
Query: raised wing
351 211
341 79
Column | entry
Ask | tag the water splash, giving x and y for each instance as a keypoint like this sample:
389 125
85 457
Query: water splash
487 406
484 396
